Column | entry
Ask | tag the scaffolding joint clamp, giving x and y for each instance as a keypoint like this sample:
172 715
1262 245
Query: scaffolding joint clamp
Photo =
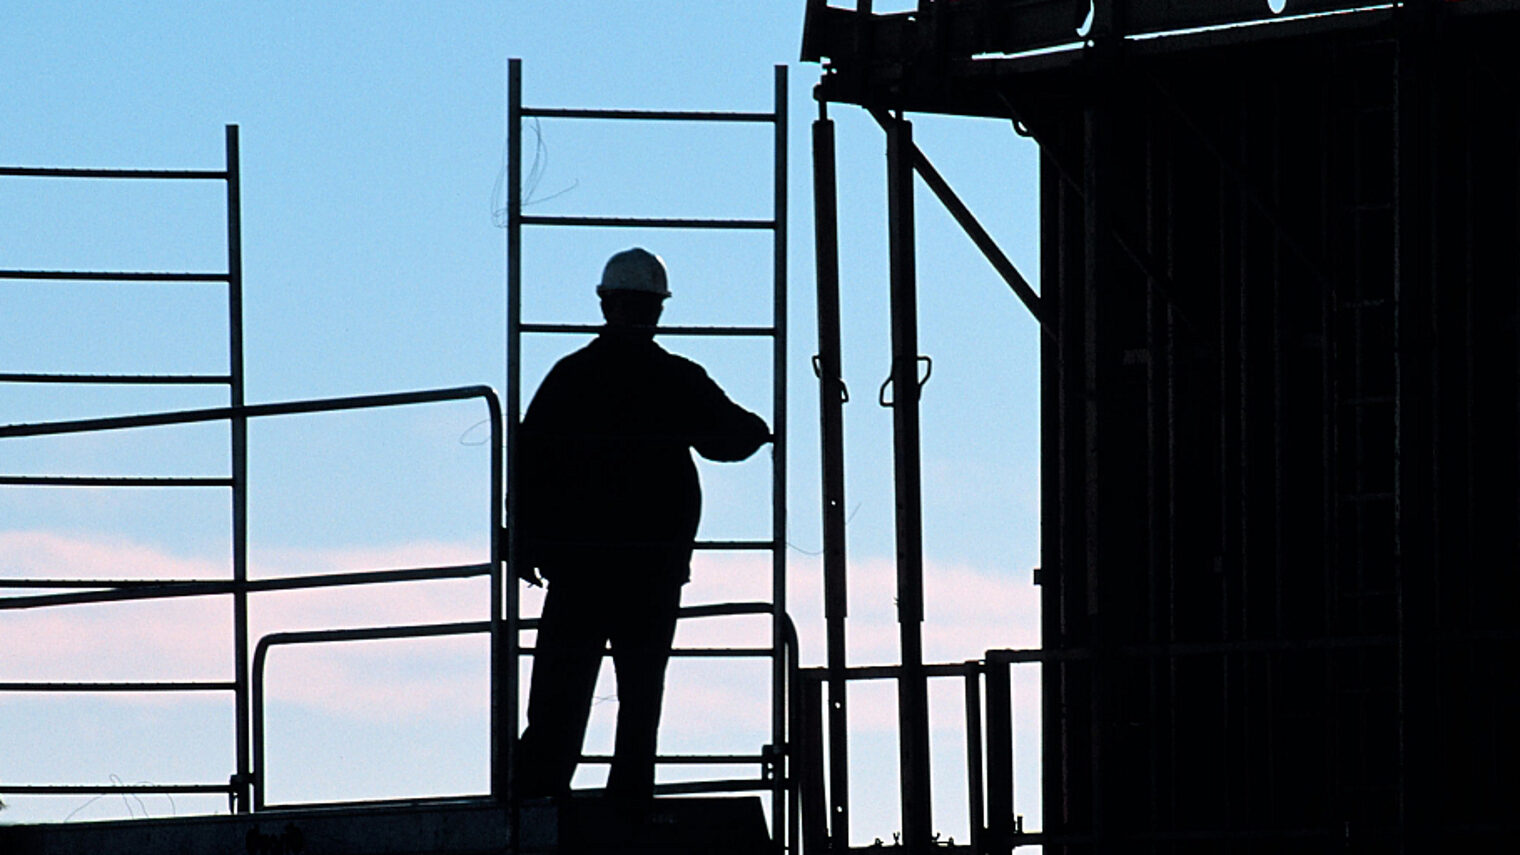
881 394
844 391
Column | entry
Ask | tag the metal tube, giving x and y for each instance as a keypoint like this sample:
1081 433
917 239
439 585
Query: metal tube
123 379
974 789
114 275
984 242
252 411
239 436
504 639
645 222
592 329
782 783
734 785
973 228
693 652
815 830
794 728
735 545
108 481
831 399
912 693
690 759
107 789
999 756
133 590
74 172
127 688
647 115
504 689
261 654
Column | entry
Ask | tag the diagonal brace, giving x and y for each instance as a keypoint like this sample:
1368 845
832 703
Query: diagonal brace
973 229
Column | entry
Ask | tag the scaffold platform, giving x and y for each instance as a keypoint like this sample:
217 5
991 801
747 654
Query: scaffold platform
674 826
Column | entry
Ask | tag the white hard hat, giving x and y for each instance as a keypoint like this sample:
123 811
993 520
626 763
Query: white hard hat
634 269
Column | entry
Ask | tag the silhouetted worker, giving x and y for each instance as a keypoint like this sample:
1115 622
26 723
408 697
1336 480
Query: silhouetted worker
609 509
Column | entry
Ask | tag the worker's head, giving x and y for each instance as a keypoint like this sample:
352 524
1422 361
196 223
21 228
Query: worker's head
633 290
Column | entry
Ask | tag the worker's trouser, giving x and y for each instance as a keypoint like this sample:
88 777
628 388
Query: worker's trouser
579 618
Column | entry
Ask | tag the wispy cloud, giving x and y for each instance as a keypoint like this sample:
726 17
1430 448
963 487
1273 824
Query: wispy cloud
967 612
45 554
191 638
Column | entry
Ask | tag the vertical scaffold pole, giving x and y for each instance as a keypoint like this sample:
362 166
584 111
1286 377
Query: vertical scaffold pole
831 400
239 426
999 803
505 676
779 664
912 687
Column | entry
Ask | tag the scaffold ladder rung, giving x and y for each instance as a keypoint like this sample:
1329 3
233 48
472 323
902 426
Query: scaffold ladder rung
646 115
646 222
120 379
111 481
115 276
676 331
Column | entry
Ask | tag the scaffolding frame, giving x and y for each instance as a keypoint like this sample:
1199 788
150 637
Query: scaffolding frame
246 785
777 776
232 278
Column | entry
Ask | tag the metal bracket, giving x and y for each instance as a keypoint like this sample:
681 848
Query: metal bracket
881 394
238 786
844 391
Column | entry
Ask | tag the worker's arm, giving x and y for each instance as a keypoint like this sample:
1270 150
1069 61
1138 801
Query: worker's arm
723 430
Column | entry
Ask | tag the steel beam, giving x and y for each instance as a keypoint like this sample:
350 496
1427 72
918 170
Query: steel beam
504 678
239 451
831 400
912 692
973 228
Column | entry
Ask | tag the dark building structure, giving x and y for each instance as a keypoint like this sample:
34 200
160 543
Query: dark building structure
1281 406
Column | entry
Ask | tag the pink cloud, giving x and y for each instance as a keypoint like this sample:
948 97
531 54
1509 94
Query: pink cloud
968 611
191 638
43 554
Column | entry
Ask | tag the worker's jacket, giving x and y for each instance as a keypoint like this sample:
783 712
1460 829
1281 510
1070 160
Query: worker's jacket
607 478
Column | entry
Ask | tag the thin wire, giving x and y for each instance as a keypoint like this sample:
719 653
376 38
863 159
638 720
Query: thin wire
469 443
535 176
117 780
93 800
813 554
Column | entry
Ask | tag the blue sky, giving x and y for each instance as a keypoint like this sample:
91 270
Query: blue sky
372 138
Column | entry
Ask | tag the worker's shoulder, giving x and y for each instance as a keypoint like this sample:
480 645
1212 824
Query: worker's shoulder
603 358
681 366
676 359
582 360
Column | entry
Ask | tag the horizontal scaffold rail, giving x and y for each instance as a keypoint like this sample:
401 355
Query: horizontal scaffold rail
647 222
120 379
215 414
77 172
109 789
647 115
436 630
111 481
735 545
130 687
690 759
680 330
736 785
200 588
114 276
